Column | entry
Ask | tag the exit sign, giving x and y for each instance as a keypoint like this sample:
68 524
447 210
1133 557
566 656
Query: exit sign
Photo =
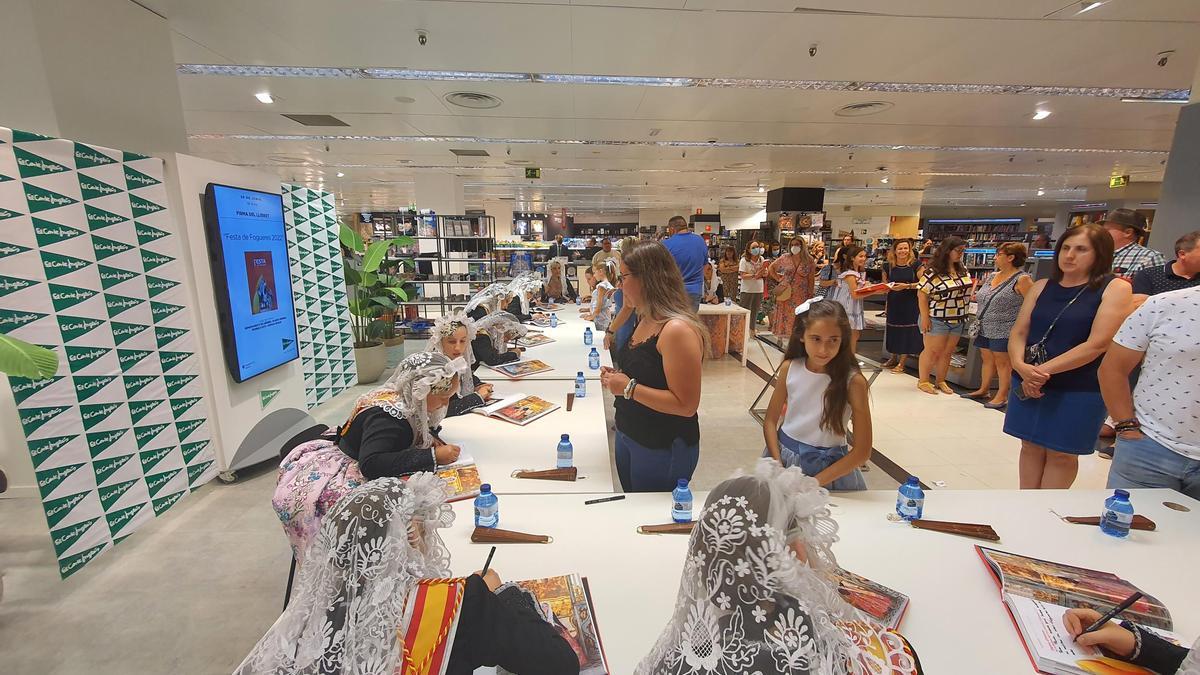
533 172
1118 181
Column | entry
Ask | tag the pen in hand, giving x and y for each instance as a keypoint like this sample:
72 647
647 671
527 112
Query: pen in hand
488 562
1113 613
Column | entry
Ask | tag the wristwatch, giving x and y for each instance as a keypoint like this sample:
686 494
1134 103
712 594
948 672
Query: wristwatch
628 393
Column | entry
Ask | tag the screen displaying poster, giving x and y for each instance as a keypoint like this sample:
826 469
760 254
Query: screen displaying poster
248 253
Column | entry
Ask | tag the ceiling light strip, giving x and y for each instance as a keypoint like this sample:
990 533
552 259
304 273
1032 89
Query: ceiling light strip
1181 95
304 138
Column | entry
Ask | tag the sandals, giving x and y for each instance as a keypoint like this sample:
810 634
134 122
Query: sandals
899 369
977 396
927 387
944 388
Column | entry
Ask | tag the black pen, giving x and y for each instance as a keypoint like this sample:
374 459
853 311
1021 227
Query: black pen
604 499
1113 612
488 563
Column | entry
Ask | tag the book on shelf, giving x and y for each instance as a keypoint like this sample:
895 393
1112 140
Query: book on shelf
885 605
1037 593
565 602
519 409
518 369
462 477
533 340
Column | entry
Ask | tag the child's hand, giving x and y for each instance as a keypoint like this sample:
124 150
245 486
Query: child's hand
1112 637
491 579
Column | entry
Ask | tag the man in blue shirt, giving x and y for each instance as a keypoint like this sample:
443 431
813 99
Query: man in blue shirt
691 254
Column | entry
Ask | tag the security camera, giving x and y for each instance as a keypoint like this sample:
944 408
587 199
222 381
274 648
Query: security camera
1164 57
422 36
812 49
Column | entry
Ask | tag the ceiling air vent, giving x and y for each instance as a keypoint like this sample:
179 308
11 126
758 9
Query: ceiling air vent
317 120
472 99
863 109
469 153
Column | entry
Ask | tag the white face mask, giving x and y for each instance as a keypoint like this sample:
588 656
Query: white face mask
796 250
756 251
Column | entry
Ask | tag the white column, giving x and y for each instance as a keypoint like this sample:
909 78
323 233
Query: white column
1180 198
25 101
502 212
443 193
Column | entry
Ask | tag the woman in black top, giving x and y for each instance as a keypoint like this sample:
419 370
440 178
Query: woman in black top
380 597
657 380
1131 643
389 433
451 336
492 335
486 301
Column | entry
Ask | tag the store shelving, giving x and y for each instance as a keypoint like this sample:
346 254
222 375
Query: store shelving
982 231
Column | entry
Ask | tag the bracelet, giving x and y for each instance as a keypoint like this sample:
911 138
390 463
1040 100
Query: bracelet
1127 425
1137 640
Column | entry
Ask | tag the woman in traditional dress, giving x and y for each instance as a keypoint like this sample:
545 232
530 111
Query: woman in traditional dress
452 336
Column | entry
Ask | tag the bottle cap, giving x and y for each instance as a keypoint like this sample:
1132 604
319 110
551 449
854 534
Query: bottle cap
566 437
486 487
912 480
579 374
1123 494
683 483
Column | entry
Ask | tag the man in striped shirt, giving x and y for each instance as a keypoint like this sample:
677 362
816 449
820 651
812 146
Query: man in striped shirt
1128 228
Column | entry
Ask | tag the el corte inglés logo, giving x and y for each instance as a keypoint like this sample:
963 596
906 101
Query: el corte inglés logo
154 284
65 570
91 385
125 330
40 416
58 475
139 178
170 359
160 480
121 303
114 274
116 523
65 263
65 506
99 216
9 249
148 432
74 294
88 355
9 284
109 246
96 186
49 446
18 319
60 231
101 412
139 408
82 325
49 198
155 259
34 162
93 157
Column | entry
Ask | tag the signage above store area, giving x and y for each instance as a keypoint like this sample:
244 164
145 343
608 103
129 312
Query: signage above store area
1118 181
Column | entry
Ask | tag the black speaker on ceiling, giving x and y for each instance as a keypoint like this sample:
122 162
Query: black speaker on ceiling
794 199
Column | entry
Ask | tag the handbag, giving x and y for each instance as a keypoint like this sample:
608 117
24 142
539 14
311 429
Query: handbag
1035 354
782 292
974 328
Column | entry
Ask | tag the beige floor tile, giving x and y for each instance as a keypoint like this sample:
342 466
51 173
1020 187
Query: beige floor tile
953 477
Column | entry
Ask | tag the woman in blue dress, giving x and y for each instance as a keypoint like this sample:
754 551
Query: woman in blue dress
902 337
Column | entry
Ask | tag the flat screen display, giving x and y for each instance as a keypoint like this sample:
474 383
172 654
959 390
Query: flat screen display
247 248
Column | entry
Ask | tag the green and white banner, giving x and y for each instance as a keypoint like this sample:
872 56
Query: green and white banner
319 289
89 267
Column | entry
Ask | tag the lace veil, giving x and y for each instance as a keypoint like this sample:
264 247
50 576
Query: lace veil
524 283
443 327
1191 664
416 376
490 296
372 548
499 325
747 604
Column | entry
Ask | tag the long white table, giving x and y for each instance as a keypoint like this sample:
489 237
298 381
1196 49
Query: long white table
501 447
567 355
956 619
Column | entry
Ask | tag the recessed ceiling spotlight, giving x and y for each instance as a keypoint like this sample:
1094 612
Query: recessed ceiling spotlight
863 109
341 175
883 180
739 165
1041 114
1088 5
518 162
405 99
472 99
1041 192
264 97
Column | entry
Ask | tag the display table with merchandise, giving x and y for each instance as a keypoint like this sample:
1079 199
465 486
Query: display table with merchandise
728 329
501 447
567 355
956 620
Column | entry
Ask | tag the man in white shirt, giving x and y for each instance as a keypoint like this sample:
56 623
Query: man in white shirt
1158 425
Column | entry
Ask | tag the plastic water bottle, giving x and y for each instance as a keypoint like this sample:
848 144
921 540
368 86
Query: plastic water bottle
910 501
578 300
587 335
729 302
566 452
487 507
580 385
681 502
1118 515
594 359
554 321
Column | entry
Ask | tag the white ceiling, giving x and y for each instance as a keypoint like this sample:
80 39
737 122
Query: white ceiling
1032 42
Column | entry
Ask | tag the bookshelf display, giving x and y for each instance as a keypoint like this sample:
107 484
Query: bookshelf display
985 231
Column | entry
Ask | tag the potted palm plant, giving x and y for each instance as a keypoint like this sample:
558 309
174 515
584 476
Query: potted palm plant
371 296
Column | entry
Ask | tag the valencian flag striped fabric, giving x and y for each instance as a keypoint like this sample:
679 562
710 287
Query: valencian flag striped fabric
430 620
322 311
89 267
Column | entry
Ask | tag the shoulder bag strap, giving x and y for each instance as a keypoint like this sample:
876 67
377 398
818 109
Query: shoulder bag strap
1054 323
1015 276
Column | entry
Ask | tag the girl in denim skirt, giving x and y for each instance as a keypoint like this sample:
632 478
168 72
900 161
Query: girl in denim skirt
819 393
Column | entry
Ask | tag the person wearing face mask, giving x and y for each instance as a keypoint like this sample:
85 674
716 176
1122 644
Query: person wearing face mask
378 597
794 273
752 269
389 433
452 336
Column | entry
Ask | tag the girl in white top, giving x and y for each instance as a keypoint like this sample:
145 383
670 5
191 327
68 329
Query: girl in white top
601 312
819 392
852 277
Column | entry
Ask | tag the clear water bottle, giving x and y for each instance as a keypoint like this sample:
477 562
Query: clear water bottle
587 335
910 500
681 502
729 302
566 452
487 507
1118 515
594 359
553 320
580 385
578 300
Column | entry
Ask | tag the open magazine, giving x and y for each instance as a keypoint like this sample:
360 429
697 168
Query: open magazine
462 476
518 369
1038 592
533 340
877 601
566 602
519 409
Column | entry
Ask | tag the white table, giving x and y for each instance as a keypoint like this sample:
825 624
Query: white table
733 331
567 355
956 617
500 447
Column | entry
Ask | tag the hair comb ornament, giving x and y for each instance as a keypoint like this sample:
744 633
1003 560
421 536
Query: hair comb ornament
805 306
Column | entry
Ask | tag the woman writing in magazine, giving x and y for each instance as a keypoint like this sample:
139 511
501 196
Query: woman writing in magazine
492 335
1131 643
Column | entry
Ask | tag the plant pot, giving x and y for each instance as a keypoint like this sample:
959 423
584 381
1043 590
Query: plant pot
371 361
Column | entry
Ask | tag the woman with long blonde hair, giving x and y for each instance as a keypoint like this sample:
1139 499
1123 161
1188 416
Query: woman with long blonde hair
657 379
